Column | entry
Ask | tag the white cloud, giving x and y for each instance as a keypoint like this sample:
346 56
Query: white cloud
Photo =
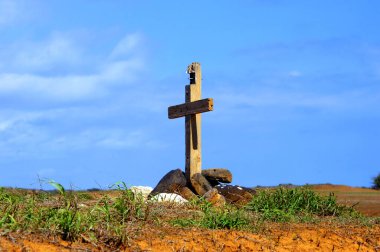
4 125
59 49
294 73
50 88
16 11
123 70
127 45
118 139
27 139
355 99
39 134
8 11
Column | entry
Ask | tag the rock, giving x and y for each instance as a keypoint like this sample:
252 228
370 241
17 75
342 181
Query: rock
213 183
186 193
215 198
172 182
168 197
200 184
144 191
237 195
217 175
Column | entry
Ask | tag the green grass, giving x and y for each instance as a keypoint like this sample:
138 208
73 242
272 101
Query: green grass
61 214
228 217
299 203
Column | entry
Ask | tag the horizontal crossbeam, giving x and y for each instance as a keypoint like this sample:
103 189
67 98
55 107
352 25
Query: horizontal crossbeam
191 108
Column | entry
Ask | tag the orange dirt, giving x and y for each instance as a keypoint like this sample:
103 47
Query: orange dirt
285 237
288 238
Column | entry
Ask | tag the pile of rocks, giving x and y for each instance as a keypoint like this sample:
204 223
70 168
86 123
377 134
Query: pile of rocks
212 184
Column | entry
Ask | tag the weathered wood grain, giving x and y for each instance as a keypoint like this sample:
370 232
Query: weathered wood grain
190 108
193 164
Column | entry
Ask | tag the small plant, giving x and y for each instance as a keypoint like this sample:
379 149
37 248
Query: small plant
57 186
66 217
129 206
376 182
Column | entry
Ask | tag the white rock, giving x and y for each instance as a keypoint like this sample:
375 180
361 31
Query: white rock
169 197
142 190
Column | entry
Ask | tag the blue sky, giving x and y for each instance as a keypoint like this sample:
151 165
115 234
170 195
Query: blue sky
85 86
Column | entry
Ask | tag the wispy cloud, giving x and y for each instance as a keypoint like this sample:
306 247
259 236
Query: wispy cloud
28 138
65 121
8 11
58 50
356 101
294 73
14 11
126 46
121 67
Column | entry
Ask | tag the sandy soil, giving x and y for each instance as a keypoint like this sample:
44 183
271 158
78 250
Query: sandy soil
365 200
286 237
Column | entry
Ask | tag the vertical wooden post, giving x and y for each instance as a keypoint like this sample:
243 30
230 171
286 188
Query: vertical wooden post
193 123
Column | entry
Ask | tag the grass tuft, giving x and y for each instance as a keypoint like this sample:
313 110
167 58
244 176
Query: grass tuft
286 204
229 217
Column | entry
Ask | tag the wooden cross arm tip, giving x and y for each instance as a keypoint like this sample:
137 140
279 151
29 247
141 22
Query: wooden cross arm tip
191 108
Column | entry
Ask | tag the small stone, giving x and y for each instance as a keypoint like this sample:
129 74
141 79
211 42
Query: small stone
215 198
144 191
172 182
168 197
200 184
237 195
217 175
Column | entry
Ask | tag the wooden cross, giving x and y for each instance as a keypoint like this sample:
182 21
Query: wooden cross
191 109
